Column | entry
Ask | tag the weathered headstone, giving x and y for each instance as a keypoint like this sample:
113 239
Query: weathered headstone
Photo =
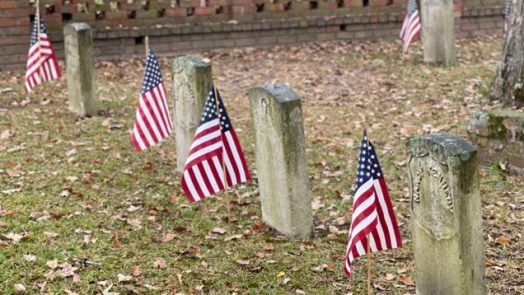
438 35
192 79
281 160
78 42
499 133
446 218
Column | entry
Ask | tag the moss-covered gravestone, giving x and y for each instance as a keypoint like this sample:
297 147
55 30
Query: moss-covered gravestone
192 81
446 219
78 42
281 160
499 133
438 35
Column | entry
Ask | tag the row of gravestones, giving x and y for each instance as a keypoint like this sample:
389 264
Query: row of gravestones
443 169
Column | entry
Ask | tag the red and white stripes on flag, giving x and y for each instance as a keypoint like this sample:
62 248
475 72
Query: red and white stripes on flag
153 121
214 146
373 220
411 26
42 64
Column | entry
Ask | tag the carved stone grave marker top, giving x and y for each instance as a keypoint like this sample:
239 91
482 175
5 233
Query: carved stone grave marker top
281 160
445 204
192 79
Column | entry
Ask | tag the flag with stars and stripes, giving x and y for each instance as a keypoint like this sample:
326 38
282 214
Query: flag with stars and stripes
410 31
42 64
506 14
214 147
153 121
373 220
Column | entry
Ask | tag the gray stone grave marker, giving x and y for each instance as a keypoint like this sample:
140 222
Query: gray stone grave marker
446 218
438 35
281 160
192 79
78 42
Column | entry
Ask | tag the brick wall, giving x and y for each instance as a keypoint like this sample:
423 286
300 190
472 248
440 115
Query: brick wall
180 26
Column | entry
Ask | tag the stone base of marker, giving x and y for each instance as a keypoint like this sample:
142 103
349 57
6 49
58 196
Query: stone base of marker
446 216
192 79
281 160
78 43
438 32
500 135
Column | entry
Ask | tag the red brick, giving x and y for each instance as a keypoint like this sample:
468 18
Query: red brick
243 9
5 4
6 41
243 2
174 12
84 17
12 13
8 22
274 7
115 15
204 10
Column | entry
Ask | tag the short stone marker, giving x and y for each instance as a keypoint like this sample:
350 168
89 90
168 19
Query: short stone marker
78 42
446 218
281 160
499 133
192 79
438 35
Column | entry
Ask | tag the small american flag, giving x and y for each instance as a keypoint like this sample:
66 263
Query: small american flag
373 218
410 31
215 145
153 121
41 65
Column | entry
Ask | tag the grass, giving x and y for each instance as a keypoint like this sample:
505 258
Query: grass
77 192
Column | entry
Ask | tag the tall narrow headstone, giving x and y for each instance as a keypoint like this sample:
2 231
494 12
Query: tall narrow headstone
281 160
192 79
446 218
78 41
438 35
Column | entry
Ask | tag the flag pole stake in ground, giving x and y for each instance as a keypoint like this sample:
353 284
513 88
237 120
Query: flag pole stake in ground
223 158
146 42
368 251
38 32
38 18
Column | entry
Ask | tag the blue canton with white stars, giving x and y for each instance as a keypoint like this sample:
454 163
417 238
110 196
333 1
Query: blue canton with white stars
152 75
368 166
43 30
412 7
209 112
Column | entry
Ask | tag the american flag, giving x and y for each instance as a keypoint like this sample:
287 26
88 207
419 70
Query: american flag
153 121
411 26
506 14
373 217
41 61
215 146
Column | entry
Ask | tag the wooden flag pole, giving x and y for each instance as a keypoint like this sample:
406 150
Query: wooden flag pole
223 157
368 247
368 251
38 31
146 42
38 20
